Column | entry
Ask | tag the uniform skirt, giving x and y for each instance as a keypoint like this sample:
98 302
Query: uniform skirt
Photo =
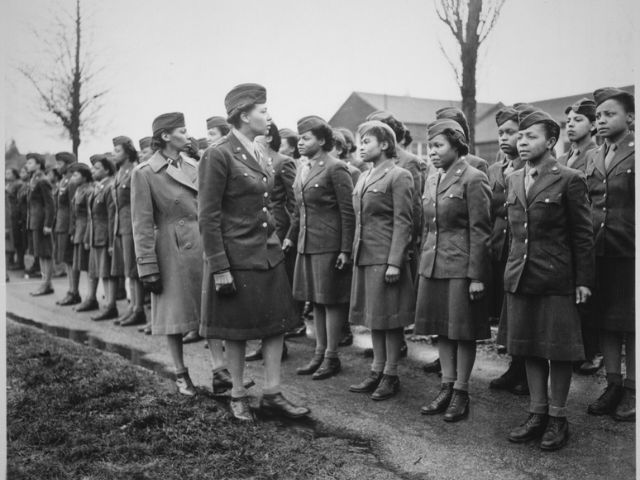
80 258
316 279
379 305
261 307
545 326
613 303
63 249
124 262
40 245
117 259
99 262
444 308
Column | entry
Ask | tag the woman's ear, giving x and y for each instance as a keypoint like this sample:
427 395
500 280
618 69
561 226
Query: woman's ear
165 136
384 146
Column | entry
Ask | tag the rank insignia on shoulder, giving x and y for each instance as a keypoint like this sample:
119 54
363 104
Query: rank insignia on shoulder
631 144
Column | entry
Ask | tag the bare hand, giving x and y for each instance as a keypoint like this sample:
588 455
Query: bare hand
392 275
476 290
87 246
224 283
287 245
582 294
342 261
46 230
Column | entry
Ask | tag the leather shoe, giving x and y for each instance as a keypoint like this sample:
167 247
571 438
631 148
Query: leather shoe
459 406
88 305
108 313
521 388
591 366
346 340
367 353
441 402
44 290
276 404
300 331
626 409
369 384
389 386
532 428
70 299
257 353
147 329
608 401
432 367
144 327
185 385
329 368
136 318
556 435
514 374
118 321
241 409
312 366
222 382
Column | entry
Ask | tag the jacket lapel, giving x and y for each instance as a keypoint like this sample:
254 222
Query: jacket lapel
157 162
548 174
598 160
378 174
518 185
626 148
453 175
242 155
316 168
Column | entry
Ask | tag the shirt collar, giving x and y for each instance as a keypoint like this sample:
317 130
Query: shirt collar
169 159
619 142
246 143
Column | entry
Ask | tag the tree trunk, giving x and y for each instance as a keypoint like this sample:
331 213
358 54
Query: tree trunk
469 50
77 84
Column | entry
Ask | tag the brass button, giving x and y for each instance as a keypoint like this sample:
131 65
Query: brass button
188 245
264 224
525 224
264 179
246 174
525 256
604 209
264 209
176 201
266 194
526 240
181 222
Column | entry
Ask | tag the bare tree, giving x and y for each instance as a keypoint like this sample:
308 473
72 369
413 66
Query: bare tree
67 87
470 22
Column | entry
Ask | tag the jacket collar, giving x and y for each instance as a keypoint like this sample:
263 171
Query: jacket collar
625 148
548 174
378 174
241 154
157 162
453 175
317 166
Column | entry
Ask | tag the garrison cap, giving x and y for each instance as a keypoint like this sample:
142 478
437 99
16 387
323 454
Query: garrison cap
528 118
309 123
67 157
244 94
439 126
287 133
81 167
584 106
120 140
94 158
339 136
203 143
348 135
456 115
167 121
379 115
213 122
145 142
505 114
519 106
603 94
366 126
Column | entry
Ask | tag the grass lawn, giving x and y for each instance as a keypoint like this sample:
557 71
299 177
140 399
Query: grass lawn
75 412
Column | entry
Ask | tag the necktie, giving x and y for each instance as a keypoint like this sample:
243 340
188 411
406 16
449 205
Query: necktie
509 170
611 152
530 179
573 156
176 162
306 168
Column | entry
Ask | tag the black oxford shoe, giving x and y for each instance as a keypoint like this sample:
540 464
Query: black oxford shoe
44 290
608 401
88 305
532 428
589 367
556 434
346 340
222 382
300 331
389 386
459 406
509 379
70 299
123 318
521 388
432 367
626 409
276 404
441 402
311 367
241 409
108 313
137 318
329 368
369 384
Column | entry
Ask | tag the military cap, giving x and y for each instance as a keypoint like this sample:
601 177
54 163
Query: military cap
519 106
366 126
348 135
379 115
120 140
216 122
309 123
245 94
38 158
529 117
439 126
94 158
456 115
167 121
203 143
66 157
338 135
144 142
287 133
83 168
603 94
584 106
505 114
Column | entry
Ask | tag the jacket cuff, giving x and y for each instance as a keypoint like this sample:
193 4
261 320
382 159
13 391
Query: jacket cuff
396 261
218 262
147 265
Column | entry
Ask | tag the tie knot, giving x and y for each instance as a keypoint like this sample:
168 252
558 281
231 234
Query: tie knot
532 172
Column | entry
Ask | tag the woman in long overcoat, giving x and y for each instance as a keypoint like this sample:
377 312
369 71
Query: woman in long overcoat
246 293
454 265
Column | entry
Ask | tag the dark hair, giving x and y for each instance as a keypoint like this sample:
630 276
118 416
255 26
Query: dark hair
40 160
14 171
276 140
293 143
324 132
627 102
348 136
396 126
383 135
56 172
234 118
131 151
159 143
224 129
552 129
457 141
340 142
108 165
83 170
407 138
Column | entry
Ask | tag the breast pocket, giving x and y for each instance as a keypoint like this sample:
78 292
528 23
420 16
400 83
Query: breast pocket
239 174
453 195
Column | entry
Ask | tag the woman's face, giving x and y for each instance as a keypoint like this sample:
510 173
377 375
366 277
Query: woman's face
98 171
611 118
286 148
508 137
24 173
441 153
8 175
259 119
178 138
578 126
309 145
370 148
214 134
119 155
533 143
77 178
146 154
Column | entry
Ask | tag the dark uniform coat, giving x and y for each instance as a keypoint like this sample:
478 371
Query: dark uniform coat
102 211
413 165
478 163
580 163
282 201
40 201
80 214
65 193
164 211
124 259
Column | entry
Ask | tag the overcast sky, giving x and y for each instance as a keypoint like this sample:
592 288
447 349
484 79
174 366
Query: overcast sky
163 55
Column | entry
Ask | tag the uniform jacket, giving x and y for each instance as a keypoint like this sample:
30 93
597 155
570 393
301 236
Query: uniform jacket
581 161
102 212
41 209
477 163
323 220
499 221
457 232
282 201
613 197
23 202
13 191
354 173
357 163
64 195
551 249
238 228
382 204
80 213
122 199
413 165
164 214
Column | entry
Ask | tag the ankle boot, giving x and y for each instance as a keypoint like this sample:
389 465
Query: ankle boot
389 386
311 367
369 384
608 401
329 368
532 428
459 406
556 435
626 409
441 402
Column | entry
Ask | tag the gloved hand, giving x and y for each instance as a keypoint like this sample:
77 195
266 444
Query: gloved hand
224 283
152 283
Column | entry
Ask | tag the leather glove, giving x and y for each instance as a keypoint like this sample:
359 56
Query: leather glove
224 283
152 283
